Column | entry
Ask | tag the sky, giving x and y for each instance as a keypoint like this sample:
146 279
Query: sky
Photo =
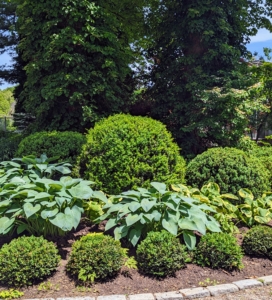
258 42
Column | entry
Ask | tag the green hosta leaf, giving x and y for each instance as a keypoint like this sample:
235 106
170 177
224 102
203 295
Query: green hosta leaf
213 226
100 195
187 224
63 170
5 203
200 225
42 196
41 167
54 187
159 186
48 204
132 219
246 193
134 194
30 210
81 192
206 207
75 213
111 223
171 205
170 225
21 228
133 206
189 239
134 236
13 208
263 212
63 221
262 220
147 205
149 217
17 180
5 224
49 213
230 196
156 215
188 200
120 232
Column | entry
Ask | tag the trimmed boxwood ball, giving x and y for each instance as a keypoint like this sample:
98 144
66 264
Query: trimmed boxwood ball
66 145
124 152
219 250
231 169
95 257
26 260
258 241
161 254
264 154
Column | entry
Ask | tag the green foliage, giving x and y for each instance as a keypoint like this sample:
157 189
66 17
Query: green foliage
196 73
231 169
76 57
65 145
43 206
246 144
6 101
123 152
9 144
264 154
134 213
254 211
26 260
95 256
161 254
11 294
258 241
219 250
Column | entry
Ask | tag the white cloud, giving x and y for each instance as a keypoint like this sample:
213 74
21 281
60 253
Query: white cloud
262 35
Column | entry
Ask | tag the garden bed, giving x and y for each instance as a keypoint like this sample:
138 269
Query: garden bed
130 281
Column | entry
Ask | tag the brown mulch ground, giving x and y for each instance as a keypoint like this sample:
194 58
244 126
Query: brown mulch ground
131 282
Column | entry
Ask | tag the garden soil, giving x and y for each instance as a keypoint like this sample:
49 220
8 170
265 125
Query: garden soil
130 281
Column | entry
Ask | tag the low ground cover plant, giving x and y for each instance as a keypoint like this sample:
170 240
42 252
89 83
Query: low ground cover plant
134 213
124 152
219 250
161 254
95 257
26 260
258 241
231 169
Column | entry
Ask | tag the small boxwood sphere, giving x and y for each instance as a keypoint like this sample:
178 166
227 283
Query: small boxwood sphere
95 257
219 250
26 260
66 145
230 168
161 254
264 154
258 241
125 152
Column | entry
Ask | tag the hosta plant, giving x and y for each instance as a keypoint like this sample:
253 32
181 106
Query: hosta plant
43 206
255 211
136 212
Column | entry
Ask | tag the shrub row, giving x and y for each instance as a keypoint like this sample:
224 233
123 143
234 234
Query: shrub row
95 256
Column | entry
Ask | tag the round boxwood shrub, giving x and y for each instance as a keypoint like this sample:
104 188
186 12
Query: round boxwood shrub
26 260
258 241
230 168
161 254
66 145
124 152
219 250
95 257
264 154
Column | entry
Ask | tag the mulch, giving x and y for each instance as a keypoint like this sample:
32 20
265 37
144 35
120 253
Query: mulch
130 281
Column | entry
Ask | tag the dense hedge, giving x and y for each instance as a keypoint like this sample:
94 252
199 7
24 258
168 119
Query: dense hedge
264 154
9 144
26 260
123 152
161 254
219 250
66 145
95 256
231 169
258 241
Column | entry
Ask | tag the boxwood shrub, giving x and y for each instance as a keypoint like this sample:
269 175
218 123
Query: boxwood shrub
219 250
95 257
124 152
258 241
231 169
66 145
26 260
161 254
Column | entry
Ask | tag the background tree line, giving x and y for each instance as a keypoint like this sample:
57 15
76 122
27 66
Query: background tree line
179 62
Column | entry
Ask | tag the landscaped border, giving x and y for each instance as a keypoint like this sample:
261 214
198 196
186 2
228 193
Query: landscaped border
193 293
